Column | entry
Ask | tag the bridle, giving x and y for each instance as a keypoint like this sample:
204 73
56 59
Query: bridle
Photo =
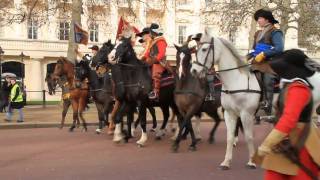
211 47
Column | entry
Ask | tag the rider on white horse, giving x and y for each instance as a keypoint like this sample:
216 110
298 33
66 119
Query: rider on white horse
268 42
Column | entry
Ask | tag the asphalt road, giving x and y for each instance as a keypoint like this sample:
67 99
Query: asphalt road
50 153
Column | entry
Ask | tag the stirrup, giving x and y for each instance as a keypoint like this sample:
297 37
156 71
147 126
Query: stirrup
209 97
153 95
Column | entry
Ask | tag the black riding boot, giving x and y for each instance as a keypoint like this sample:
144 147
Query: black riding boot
211 95
268 80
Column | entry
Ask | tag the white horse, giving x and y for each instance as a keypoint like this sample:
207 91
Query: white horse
240 89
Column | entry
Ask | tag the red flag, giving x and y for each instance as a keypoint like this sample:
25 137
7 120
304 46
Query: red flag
80 35
123 26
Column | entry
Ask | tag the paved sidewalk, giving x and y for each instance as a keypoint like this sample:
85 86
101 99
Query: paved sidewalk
38 117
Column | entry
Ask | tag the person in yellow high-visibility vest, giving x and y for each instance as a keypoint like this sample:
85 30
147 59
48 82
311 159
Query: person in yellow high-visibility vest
16 100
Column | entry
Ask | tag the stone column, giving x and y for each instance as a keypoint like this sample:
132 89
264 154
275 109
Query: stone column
34 78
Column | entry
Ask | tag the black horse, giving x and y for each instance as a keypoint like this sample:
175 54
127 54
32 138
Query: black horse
100 89
133 82
100 60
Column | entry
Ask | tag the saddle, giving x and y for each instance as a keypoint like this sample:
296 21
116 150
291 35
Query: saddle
166 79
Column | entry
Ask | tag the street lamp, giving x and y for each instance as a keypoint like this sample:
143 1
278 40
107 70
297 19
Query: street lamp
22 69
1 53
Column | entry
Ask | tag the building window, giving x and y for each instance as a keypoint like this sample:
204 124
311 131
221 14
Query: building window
94 32
64 30
32 29
182 34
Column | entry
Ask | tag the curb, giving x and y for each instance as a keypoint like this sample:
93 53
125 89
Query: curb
37 125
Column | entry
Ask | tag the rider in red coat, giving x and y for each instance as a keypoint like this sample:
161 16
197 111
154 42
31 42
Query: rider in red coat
294 125
155 54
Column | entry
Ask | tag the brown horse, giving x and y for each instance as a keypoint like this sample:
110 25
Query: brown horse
62 82
78 88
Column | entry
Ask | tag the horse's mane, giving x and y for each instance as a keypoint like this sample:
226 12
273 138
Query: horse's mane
234 52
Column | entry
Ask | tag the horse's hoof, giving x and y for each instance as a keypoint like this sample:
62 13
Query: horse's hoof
71 129
198 140
158 138
174 148
98 131
85 129
224 168
211 141
251 166
140 145
192 148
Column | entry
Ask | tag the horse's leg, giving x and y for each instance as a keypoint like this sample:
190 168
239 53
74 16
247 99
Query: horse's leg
66 105
82 106
215 116
197 127
236 132
247 120
231 121
154 118
161 132
117 136
100 116
130 117
192 147
182 125
113 115
143 122
173 116
74 104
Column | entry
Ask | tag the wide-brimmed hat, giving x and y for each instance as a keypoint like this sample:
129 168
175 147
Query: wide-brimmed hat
291 64
196 37
94 47
141 40
265 14
144 31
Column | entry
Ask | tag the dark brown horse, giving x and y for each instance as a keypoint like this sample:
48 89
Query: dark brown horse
78 88
190 93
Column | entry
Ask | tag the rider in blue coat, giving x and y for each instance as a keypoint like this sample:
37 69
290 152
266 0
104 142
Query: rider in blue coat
268 42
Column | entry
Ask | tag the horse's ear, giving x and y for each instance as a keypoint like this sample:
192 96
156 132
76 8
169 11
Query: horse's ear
177 47
109 41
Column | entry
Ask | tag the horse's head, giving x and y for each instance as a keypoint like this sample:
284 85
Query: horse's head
122 52
205 55
102 55
183 56
63 67
51 83
81 70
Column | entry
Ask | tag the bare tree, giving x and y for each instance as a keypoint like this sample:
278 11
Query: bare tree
235 13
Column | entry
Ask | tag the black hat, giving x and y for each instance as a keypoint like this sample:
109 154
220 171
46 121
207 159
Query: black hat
196 37
265 14
144 31
291 64
154 28
94 47
141 41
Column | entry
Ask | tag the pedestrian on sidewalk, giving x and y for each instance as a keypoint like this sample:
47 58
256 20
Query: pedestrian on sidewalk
15 100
